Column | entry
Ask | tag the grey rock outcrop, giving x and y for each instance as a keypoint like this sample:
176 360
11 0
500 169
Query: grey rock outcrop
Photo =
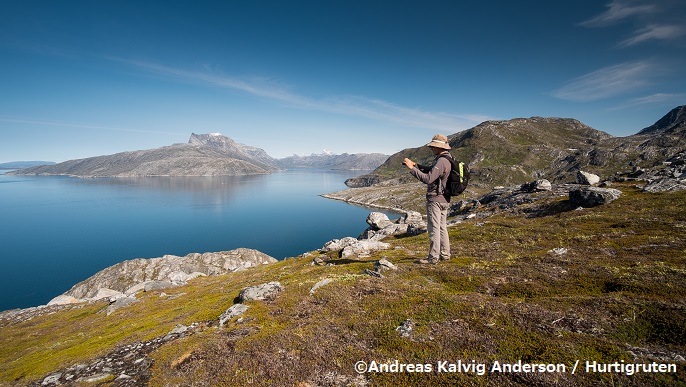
380 226
587 178
378 220
370 240
319 284
260 292
406 328
383 265
263 292
593 196
141 274
350 246
670 177
233 311
120 303
537 186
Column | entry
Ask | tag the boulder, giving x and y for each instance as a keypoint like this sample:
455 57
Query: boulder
338 244
363 248
380 227
233 311
378 220
384 264
537 186
593 196
586 178
260 292
391 229
412 217
120 303
319 284
406 328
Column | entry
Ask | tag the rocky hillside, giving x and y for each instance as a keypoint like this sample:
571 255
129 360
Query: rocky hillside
345 161
548 284
204 155
24 164
132 276
536 278
522 149
232 149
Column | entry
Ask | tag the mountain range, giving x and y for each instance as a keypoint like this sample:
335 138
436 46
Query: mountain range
204 155
345 161
498 153
523 149
532 289
24 164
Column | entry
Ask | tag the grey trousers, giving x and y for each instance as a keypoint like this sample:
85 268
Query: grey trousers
437 217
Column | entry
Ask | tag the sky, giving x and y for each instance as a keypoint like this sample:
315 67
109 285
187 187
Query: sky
88 78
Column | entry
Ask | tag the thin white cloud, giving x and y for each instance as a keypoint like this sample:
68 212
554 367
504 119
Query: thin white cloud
347 105
619 10
608 82
68 124
654 32
651 99
653 20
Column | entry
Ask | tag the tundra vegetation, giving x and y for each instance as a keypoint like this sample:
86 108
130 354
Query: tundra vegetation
603 284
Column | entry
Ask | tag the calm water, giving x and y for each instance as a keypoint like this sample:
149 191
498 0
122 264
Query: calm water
57 231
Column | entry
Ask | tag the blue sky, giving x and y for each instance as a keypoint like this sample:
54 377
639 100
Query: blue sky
86 78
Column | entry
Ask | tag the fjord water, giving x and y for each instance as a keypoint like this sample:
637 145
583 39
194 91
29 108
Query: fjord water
57 231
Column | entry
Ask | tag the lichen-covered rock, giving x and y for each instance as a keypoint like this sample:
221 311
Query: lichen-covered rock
233 311
260 292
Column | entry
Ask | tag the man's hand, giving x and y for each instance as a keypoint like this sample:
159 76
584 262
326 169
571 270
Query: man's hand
409 163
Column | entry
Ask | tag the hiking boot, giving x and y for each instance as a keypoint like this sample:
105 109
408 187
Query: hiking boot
427 261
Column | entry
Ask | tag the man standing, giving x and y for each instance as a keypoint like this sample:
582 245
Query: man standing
435 177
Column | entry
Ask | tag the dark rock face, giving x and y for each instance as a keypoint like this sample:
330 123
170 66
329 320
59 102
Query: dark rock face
671 122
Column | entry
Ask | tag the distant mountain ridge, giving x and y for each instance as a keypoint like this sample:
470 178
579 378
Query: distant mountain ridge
203 155
210 154
345 161
232 149
523 149
24 164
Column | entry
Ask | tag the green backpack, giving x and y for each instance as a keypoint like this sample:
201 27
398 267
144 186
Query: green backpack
458 179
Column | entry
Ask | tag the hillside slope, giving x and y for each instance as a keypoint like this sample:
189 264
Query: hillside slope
602 285
523 149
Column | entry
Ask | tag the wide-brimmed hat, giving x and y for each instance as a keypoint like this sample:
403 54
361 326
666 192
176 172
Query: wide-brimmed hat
439 141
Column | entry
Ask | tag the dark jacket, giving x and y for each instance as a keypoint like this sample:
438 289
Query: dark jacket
435 177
